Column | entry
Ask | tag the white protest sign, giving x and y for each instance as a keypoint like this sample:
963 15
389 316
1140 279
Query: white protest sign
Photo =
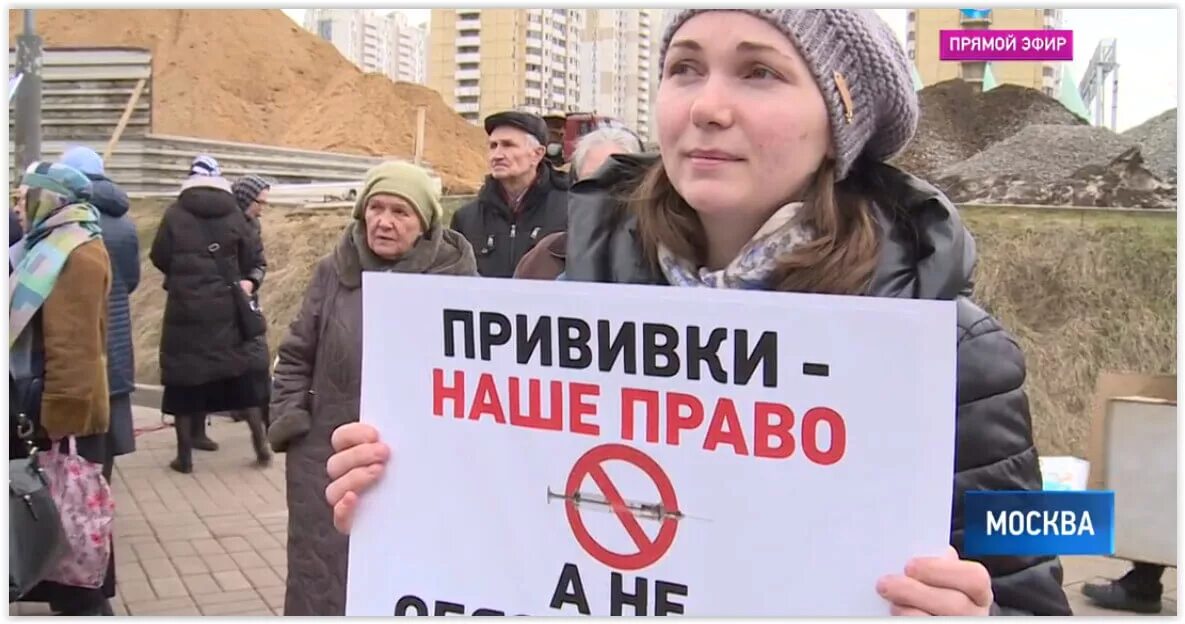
566 448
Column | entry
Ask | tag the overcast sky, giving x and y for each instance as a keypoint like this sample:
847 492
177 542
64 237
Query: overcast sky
1147 49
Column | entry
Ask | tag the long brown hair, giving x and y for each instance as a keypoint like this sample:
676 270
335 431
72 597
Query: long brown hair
840 259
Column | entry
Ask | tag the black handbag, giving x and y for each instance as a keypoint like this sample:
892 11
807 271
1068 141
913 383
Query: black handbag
250 318
36 541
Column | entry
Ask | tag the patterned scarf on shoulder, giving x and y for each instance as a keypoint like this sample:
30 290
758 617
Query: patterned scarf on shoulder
60 223
753 266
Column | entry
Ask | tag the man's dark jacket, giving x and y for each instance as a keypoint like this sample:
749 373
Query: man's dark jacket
926 253
500 237
123 246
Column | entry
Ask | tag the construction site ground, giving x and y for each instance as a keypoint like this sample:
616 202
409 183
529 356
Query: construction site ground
213 542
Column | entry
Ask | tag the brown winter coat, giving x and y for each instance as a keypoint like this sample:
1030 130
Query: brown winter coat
546 260
74 328
317 388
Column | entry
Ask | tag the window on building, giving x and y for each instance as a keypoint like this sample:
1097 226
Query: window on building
468 66
468 83
460 50
1047 71
1048 91
470 33
325 29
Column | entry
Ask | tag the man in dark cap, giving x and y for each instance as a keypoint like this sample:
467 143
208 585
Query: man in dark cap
523 198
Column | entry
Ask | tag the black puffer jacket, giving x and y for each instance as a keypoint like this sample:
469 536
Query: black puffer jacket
123 246
200 339
500 238
927 254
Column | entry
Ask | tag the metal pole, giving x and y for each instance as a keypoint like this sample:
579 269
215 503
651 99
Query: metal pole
27 130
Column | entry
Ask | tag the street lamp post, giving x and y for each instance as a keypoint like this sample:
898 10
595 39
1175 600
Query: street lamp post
27 130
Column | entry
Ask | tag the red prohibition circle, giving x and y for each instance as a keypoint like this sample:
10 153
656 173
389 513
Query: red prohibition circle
591 464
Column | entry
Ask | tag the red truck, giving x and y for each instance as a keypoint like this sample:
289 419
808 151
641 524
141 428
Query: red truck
567 129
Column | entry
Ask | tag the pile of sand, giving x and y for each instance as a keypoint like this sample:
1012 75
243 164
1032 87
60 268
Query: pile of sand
252 75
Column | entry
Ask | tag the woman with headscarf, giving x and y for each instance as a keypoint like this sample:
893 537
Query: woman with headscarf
775 128
57 334
396 228
205 248
251 193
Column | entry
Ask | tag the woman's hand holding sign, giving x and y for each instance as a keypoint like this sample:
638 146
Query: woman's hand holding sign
943 585
358 461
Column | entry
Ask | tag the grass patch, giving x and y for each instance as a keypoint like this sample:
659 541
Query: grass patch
1083 292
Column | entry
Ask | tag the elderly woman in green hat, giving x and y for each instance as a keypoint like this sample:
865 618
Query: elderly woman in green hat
397 227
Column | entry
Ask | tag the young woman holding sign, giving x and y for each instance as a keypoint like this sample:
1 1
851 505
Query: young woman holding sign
774 129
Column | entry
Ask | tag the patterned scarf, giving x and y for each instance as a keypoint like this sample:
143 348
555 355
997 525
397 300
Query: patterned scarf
60 223
753 266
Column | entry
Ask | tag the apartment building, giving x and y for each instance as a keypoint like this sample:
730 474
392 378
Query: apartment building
617 57
922 46
482 61
659 19
386 44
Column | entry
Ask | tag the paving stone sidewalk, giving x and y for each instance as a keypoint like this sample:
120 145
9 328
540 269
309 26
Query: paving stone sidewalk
213 542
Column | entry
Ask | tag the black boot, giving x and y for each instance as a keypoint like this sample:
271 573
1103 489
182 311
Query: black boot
263 454
1138 591
184 430
201 441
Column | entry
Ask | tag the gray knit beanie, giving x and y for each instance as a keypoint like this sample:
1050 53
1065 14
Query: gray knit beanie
860 68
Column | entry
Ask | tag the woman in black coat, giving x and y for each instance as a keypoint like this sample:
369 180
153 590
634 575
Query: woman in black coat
251 192
204 358
775 130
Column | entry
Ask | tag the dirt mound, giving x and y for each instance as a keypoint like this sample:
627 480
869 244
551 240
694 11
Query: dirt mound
255 76
1059 166
1157 139
958 121
1122 182
1042 153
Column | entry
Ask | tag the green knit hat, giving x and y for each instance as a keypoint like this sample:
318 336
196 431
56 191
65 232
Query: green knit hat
406 181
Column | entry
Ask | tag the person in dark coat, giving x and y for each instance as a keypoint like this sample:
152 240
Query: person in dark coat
546 260
123 246
522 200
768 180
204 359
251 192
397 228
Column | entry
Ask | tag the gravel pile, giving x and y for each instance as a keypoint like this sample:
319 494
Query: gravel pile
1157 139
1042 154
1122 182
958 121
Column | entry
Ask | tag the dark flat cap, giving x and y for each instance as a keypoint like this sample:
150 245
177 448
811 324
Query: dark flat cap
531 124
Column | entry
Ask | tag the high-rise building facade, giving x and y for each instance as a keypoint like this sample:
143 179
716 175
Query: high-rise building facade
616 61
385 44
482 61
922 45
